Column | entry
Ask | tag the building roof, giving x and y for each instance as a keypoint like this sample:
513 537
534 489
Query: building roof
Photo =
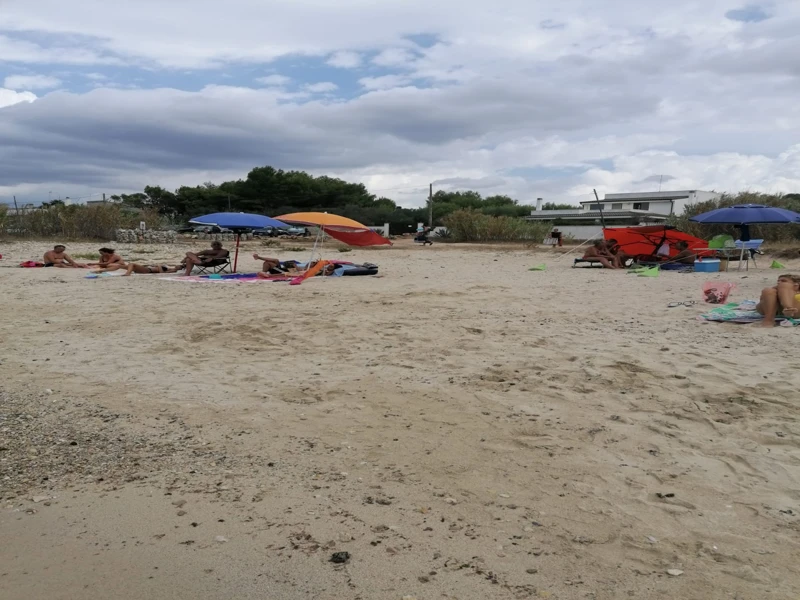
594 215
646 196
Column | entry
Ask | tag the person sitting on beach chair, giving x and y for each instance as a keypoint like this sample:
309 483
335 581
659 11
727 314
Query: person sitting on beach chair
57 257
216 256
598 252
782 299
615 250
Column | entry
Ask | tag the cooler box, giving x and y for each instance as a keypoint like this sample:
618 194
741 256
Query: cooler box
708 265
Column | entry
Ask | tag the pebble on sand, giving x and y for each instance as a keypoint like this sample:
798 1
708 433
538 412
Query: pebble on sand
674 572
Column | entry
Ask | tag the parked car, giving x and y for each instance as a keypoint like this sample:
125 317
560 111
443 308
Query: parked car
280 231
266 232
208 229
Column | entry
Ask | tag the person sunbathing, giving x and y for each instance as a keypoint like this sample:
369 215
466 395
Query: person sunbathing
615 250
289 267
782 299
206 258
275 266
684 255
108 258
57 257
150 269
598 252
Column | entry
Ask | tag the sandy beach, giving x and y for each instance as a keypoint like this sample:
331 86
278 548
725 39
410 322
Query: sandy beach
462 427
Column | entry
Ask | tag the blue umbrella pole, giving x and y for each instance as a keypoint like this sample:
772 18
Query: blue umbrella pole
236 255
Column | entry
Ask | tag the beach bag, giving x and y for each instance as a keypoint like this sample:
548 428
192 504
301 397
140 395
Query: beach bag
717 292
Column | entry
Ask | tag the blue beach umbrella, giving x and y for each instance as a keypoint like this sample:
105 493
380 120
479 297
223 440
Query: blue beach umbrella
237 222
744 215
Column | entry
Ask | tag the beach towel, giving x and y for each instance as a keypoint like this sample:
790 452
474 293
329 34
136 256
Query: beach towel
106 274
234 278
742 312
31 264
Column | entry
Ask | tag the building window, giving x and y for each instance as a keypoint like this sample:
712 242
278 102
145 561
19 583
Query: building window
641 206
596 207
616 206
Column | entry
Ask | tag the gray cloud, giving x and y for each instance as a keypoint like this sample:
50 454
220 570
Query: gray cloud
515 87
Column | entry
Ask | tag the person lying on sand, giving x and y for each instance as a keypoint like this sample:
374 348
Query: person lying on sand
684 255
206 258
782 299
598 252
57 257
108 257
150 269
275 266
291 267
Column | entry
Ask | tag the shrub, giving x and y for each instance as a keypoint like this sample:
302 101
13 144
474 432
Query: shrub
472 226
79 221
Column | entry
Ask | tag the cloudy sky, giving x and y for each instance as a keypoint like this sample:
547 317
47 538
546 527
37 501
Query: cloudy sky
548 98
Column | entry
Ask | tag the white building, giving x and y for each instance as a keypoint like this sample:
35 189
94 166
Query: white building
622 210
655 203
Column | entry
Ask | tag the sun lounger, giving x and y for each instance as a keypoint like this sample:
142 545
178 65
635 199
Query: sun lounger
585 262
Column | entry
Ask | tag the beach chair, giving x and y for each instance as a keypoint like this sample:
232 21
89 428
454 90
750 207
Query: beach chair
585 262
216 266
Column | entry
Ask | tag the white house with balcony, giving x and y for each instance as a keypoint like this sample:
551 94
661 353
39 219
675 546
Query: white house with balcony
621 210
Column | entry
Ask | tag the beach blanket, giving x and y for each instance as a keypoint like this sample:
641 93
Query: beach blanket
741 312
103 275
234 278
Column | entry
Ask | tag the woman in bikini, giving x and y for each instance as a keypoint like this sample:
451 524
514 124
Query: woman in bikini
150 269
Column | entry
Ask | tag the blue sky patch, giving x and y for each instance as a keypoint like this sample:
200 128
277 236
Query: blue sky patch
752 13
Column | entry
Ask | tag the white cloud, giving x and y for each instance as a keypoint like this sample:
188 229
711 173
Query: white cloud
384 82
276 80
394 57
9 97
345 60
322 87
31 82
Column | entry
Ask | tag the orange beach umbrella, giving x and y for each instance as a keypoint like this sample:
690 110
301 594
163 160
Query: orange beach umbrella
341 228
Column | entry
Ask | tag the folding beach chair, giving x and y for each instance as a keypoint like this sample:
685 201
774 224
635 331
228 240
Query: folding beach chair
218 265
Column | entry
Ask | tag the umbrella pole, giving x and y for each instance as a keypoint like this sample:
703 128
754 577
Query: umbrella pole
236 255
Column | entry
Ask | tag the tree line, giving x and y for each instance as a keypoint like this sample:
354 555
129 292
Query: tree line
272 192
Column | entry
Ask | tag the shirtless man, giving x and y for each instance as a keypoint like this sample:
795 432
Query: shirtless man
109 258
206 257
616 251
58 258
784 298
274 266
599 253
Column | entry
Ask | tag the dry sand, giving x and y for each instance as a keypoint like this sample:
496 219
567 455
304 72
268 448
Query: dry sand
462 427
